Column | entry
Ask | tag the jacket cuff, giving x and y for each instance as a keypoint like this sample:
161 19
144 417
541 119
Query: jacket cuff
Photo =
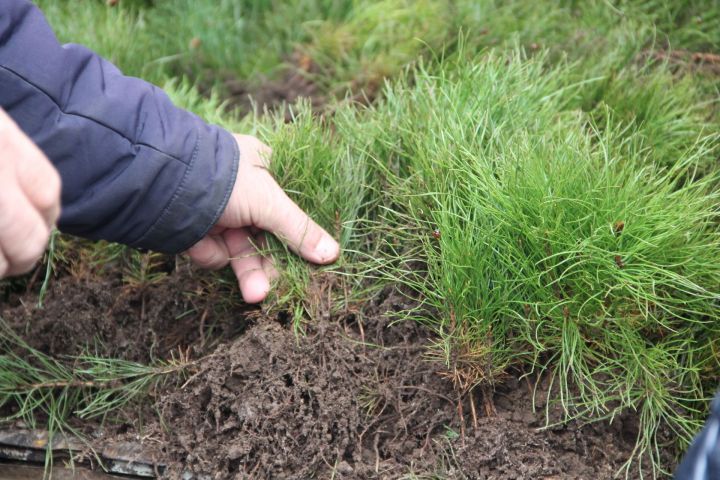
200 198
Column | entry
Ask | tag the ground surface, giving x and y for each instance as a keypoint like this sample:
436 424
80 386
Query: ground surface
355 397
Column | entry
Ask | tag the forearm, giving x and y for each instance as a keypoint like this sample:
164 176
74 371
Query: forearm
135 168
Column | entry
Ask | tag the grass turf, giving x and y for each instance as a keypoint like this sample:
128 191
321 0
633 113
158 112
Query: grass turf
545 181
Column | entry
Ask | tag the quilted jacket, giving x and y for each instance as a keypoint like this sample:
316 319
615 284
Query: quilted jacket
135 168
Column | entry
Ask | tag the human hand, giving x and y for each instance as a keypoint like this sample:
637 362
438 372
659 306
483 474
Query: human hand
258 204
29 199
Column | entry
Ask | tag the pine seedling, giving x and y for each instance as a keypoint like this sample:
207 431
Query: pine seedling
45 391
550 242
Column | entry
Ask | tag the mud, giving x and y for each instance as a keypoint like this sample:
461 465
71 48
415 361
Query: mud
360 399
356 397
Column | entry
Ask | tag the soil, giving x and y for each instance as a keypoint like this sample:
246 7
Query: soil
115 320
356 397
296 80
271 95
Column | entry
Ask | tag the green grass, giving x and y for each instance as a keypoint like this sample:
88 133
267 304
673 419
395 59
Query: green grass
572 177
577 239
44 391
565 246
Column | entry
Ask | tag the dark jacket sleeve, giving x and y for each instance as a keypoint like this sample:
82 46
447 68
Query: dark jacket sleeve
702 460
135 168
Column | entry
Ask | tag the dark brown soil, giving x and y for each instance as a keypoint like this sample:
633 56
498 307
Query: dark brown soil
116 320
295 81
354 398
271 95
299 79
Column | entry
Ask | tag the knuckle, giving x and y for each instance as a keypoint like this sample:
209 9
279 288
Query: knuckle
21 268
204 256
218 261
16 222
38 244
259 148
197 256
12 219
47 197
34 243
205 259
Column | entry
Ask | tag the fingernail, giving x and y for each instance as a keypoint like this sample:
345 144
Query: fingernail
328 249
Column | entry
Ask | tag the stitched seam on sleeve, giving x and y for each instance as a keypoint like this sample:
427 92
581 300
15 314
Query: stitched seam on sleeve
180 188
90 119
226 197
231 185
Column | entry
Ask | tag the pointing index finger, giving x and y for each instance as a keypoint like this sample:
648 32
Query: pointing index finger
293 226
